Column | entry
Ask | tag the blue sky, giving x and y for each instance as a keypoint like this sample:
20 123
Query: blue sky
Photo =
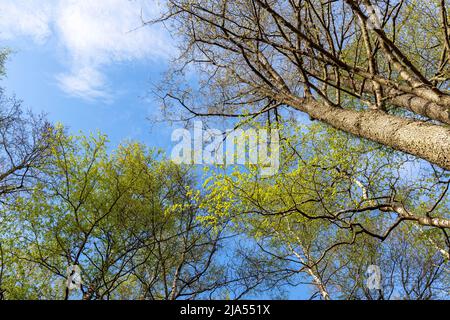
88 64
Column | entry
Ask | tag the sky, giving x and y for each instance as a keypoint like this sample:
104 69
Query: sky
88 64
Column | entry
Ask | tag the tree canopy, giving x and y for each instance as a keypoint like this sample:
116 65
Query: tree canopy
357 93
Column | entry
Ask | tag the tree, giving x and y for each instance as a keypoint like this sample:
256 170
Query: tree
23 142
125 220
375 69
128 222
382 77
338 206
23 148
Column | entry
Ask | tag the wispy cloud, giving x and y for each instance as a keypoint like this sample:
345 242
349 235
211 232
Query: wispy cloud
86 83
93 34
25 18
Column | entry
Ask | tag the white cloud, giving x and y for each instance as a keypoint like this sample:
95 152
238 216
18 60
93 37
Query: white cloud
93 34
25 18
87 83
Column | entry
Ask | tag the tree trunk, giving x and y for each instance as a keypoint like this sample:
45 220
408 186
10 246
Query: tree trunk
427 141
406 101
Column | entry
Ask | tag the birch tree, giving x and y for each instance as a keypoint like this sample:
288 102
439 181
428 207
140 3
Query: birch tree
337 206
374 68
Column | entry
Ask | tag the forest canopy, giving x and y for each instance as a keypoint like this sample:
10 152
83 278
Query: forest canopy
357 95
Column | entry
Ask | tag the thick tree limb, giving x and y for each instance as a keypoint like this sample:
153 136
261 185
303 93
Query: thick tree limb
426 141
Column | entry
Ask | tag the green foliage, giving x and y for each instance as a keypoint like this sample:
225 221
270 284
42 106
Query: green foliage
125 217
316 215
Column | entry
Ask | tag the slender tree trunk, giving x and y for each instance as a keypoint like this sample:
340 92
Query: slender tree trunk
443 252
323 291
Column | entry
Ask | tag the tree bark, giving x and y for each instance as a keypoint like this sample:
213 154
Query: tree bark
427 141
406 101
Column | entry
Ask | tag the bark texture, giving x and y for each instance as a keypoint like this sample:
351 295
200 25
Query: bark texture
427 141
